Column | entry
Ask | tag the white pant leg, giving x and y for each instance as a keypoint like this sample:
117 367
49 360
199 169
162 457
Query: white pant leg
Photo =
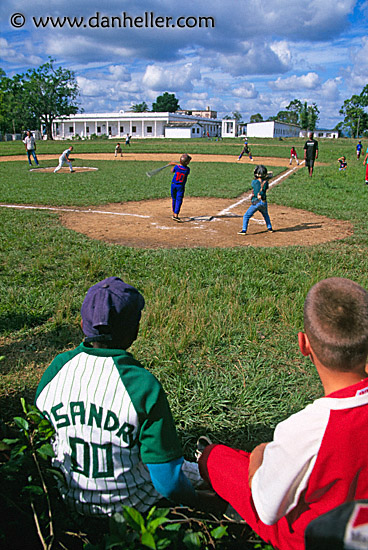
61 163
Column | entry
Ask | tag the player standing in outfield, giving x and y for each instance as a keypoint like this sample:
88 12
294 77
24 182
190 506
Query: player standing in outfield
118 150
181 172
246 151
64 158
29 142
365 162
317 459
343 163
258 199
127 140
310 152
359 148
293 155
115 442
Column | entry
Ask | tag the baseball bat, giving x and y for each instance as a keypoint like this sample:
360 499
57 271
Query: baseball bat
157 170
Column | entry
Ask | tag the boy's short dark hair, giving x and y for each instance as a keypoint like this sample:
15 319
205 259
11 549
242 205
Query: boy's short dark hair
336 323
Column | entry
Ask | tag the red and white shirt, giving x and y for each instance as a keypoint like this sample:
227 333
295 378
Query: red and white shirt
317 460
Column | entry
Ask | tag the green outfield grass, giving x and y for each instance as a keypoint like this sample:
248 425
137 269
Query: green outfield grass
220 326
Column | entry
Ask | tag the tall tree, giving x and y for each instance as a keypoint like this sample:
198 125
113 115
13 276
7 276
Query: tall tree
256 118
140 107
166 103
50 92
303 114
14 118
355 117
237 116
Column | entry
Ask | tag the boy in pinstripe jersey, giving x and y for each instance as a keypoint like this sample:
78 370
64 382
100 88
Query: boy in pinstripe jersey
115 441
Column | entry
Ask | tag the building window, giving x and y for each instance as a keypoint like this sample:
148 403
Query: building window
70 129
193 130
134 129
121 129
149 129
87 129
109 130
99 129
197 130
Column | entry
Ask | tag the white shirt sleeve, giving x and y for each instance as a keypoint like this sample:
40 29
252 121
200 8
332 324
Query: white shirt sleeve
288 462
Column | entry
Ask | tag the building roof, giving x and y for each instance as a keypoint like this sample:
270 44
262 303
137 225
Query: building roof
182 124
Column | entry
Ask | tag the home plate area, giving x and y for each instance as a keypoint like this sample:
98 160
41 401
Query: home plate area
205 222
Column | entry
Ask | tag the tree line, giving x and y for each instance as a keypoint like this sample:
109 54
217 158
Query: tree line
39 96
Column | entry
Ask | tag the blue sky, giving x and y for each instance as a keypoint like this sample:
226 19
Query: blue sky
258 56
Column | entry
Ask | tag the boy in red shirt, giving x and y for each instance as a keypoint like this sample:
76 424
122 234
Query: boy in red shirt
318 457
181 172
293 155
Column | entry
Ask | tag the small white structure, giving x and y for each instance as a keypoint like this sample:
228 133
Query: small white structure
332 134
185 130
272 129
137 125
229 128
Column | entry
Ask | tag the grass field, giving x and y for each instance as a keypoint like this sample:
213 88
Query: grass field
220 325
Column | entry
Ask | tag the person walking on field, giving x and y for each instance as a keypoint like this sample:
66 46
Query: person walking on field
64 158
29 142
310 153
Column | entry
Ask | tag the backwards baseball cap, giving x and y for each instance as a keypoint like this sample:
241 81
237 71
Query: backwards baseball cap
110 310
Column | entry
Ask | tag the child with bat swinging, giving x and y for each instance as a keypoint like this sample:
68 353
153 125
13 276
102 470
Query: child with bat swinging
181 172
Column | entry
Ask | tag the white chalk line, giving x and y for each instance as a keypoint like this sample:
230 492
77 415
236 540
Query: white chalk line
274 182
54 209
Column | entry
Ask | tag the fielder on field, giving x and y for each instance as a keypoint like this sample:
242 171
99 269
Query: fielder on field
317 459
115 442
64 158
246 151
293 155
118 150
343 163
181 172
359 148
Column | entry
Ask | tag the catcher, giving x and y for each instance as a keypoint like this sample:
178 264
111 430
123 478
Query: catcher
64 158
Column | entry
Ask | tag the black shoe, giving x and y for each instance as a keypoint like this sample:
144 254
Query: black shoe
202 443
271 230
242 232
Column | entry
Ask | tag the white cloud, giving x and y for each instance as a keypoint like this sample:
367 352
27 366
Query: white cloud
12 55
308 81
171 79
246 91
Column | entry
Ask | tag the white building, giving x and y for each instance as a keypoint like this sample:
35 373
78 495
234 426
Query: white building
272 129
137 125
334 134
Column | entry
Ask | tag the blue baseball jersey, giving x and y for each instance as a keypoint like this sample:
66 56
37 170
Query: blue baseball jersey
181 174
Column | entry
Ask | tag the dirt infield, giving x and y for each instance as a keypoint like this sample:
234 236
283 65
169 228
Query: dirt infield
64 169
206 222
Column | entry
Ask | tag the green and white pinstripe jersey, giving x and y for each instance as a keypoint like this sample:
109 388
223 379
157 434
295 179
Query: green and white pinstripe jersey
111 417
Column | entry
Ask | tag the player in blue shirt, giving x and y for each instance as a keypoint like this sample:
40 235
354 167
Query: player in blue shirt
359 148
181 172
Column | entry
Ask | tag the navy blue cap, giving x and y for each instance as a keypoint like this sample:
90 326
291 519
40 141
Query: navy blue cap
110 308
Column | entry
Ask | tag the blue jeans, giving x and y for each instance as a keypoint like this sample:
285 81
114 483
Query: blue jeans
29 153
261 207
